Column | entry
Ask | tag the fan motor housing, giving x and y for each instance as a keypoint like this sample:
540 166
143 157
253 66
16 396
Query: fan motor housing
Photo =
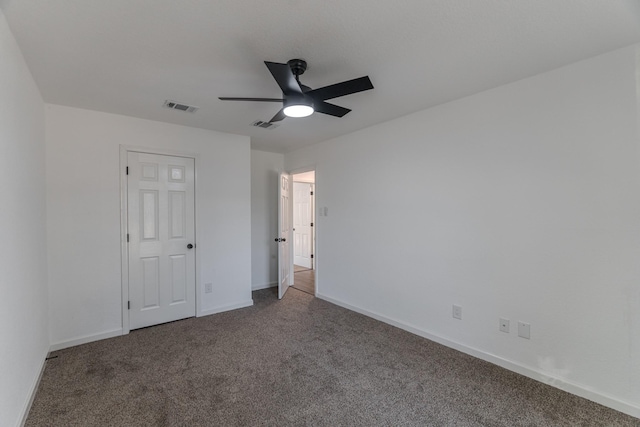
298 66
298 99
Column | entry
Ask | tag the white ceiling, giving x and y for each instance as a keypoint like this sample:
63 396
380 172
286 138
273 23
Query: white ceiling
128 56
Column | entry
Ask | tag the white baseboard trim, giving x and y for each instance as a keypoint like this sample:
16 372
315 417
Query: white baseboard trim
264 286
85 339
33 389
224 308
533 373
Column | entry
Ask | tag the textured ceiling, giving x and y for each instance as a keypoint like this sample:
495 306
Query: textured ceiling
128 56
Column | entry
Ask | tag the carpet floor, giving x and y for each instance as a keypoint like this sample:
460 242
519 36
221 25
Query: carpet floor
297 362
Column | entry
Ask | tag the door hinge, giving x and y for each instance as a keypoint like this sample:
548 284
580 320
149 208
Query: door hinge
128 305
127 170
127 237
311 255
312 193
312 224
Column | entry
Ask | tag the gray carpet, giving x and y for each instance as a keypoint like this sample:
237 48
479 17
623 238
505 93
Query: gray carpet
299 361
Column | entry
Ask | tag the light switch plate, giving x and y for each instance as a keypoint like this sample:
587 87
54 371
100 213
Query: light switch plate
524 330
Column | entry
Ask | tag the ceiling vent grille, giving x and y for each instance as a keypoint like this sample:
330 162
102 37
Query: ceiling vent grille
181 107
264 125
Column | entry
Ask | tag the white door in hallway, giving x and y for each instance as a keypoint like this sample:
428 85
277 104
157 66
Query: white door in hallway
285 264
302 223
161 234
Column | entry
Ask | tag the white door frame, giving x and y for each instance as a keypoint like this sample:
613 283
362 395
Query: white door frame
314 229
124 225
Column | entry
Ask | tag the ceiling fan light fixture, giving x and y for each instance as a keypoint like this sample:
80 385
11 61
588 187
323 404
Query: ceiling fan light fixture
298 107
298 110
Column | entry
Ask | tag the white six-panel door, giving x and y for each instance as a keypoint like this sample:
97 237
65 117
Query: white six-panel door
302 219
284 234
161 234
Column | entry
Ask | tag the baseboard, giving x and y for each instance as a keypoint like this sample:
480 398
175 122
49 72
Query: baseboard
264 286
85 339
117 332
33 390
533 373
223 308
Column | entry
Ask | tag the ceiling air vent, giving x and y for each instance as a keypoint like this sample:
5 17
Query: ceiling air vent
177 106
264 125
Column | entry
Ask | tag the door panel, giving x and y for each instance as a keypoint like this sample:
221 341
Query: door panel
177 208
284 234
149 214
161 223
150 282
178 269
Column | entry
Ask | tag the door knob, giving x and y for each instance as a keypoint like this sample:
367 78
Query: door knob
189 246
283 240
277 240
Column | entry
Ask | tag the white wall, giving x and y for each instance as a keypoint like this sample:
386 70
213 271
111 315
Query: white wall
24 340
83 217
265 168
520 202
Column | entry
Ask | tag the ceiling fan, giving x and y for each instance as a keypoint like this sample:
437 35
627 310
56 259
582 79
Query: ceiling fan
299 100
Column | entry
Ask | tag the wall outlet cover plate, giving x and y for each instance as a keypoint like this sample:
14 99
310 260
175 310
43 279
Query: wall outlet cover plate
457 312
504 325
524 330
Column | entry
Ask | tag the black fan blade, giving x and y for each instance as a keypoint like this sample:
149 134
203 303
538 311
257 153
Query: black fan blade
284 77
341 89
278 117
330 109
223 98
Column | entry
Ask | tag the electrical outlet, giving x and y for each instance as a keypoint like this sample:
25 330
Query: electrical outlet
457 312
208 288
524 330
504 325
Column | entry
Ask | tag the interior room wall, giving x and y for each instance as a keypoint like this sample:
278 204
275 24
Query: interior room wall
24 339
265 168
83 217
521 202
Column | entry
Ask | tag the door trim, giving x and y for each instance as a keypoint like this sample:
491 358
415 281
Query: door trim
124 226
315 223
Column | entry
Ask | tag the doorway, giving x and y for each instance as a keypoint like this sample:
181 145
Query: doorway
304 232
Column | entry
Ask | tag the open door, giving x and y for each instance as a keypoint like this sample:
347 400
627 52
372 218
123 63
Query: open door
284 234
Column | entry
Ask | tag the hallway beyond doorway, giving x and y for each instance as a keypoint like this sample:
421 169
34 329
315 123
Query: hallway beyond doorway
304 279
